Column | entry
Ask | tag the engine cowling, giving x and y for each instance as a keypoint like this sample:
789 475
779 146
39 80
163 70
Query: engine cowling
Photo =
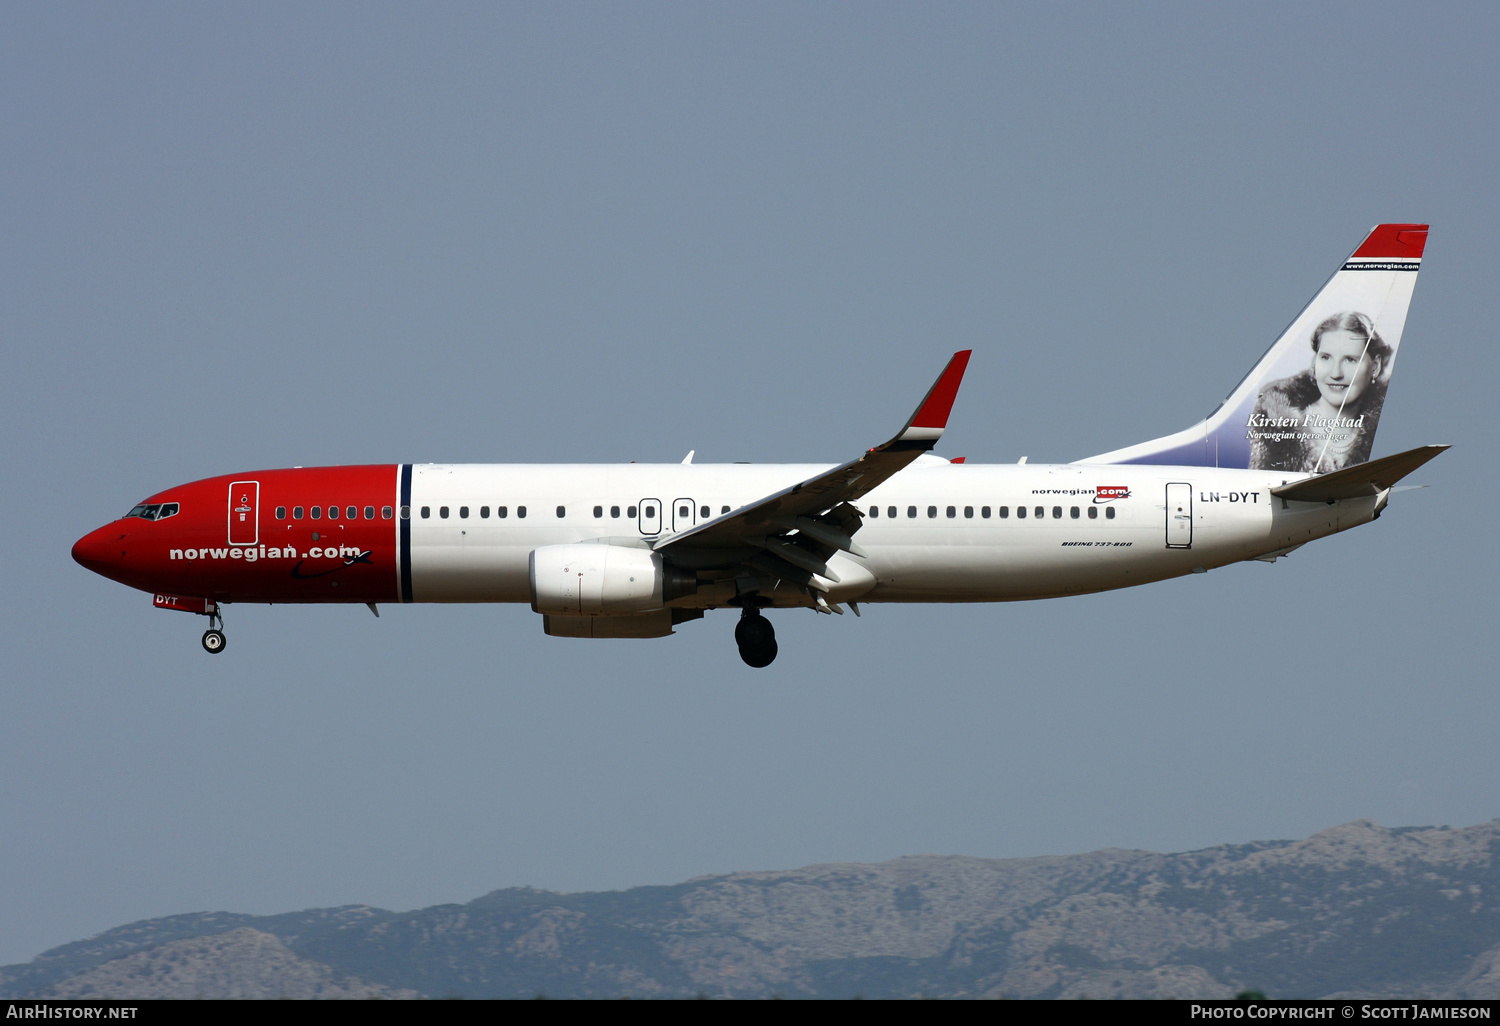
595 580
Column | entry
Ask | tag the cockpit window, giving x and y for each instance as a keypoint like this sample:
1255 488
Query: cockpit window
154 510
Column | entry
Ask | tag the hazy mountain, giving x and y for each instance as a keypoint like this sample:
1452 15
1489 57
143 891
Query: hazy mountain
1357 909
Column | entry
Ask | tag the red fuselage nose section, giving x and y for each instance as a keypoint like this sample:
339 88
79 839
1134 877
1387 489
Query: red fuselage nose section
319 534
105 551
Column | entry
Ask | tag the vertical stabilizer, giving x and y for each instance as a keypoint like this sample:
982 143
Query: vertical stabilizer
1313 402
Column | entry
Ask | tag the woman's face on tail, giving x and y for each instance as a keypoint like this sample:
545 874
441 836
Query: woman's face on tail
1342 368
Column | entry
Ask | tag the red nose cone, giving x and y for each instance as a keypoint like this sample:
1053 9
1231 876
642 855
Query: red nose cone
100 550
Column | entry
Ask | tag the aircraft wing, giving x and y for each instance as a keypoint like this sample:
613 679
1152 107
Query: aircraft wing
1360 480
791 533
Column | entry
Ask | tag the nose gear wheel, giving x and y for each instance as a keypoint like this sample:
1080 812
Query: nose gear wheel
213 638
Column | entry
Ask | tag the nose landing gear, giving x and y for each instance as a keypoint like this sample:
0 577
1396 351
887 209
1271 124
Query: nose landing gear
756 638
213 638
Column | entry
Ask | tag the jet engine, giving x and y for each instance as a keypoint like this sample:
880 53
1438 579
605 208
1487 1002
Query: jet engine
594 580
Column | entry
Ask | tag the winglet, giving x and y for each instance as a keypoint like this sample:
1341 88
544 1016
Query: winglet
926 425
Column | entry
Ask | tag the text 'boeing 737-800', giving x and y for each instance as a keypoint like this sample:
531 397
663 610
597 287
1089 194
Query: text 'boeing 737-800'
631 551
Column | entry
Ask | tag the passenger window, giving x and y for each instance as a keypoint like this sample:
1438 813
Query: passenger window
426 512
911 512
333 512
953 512
890 511
562 511
369 512
280 512
931 512
984 511
874 511
1073 512
521 512
501 512
704 513
614 512
443 512
1005 512
315 512
1093 512
484 512
598 512
1039 512
630 512
723 510
969 513
385 512
463 512
1109 512
1020 512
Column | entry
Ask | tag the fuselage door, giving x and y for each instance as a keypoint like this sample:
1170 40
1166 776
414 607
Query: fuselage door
244 512
1179 516
650 516
682 514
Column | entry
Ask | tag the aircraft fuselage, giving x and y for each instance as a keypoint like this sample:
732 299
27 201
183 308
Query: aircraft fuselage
465 532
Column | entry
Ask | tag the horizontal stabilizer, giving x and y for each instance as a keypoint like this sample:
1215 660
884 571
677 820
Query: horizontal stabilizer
1356 482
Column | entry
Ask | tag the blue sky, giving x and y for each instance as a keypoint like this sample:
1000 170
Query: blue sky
243 237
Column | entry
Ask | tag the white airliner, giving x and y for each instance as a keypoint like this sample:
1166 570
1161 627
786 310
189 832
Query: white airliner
631 551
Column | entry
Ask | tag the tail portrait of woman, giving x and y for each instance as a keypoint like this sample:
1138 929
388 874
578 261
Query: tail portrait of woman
1323 419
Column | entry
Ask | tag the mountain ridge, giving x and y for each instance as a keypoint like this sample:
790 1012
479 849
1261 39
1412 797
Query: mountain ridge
1353 909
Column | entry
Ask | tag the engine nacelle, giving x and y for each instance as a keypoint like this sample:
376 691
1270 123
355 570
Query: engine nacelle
595 580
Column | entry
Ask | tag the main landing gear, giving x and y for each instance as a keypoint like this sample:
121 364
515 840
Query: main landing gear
213 638
756 638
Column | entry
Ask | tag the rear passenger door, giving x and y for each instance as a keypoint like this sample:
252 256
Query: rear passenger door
1179 516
